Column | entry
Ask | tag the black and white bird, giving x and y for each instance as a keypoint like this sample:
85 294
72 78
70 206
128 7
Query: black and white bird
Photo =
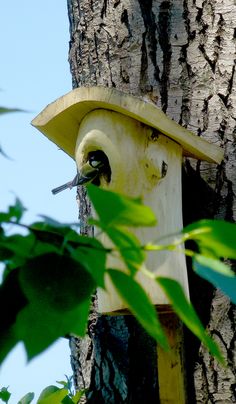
96 165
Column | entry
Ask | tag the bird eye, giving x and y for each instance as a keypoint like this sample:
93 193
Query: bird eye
95 163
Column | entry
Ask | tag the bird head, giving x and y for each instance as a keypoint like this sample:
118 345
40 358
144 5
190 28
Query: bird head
96 166
98 160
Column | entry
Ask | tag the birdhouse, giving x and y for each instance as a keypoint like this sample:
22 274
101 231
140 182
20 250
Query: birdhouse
144 149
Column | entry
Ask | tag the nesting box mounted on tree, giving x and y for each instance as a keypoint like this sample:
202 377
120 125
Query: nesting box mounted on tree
144 149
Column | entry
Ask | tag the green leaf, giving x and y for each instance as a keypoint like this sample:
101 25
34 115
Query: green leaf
52 395
27 399
114 209
57 236
8 341
67 400
128 246
92 255
5 394
217 273
44 248
18 245
5 253
46 232
47 391
88 252
15 250
15 212
187 314
58 290
4 110
213 237
139 304
39 329
12 300
52 222
56 281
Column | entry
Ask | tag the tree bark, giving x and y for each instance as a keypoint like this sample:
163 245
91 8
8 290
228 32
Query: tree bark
179 54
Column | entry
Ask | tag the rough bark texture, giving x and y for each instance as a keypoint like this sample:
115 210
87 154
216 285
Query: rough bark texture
179 54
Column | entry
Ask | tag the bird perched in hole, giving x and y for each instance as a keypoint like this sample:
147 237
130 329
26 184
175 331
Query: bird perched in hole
96 165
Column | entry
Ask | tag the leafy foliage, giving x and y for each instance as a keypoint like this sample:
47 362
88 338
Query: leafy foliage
27 399
50 394
215 238
4 110
52 273
15 212
5 394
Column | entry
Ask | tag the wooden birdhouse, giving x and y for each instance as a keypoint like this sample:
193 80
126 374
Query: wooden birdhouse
144 149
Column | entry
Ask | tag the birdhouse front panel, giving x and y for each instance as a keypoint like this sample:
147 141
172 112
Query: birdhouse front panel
144 163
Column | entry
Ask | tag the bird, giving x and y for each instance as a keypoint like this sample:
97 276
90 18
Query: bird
97 164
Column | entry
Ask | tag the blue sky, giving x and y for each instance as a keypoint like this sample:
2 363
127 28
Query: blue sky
33 72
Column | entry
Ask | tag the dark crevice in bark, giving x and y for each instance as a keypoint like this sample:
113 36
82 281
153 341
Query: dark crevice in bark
107 54
217 43
212 63
219 336
116 3
124 75
219 179
205 384
205 115
71 19
225 205
186 70
125 20
229 215
76 365
222 129
214 375
199 14
97 56
228 347
91 5
164 23
144 63
149 42
104 9
231 348
225 97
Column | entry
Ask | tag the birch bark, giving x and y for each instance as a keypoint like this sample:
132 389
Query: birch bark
179 54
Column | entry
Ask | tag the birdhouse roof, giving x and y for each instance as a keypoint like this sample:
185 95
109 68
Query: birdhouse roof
60 120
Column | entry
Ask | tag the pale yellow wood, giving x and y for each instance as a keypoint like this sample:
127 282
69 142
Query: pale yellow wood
60 120
171 370
147 165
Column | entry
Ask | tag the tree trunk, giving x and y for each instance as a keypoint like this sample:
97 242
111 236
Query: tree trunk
179 54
